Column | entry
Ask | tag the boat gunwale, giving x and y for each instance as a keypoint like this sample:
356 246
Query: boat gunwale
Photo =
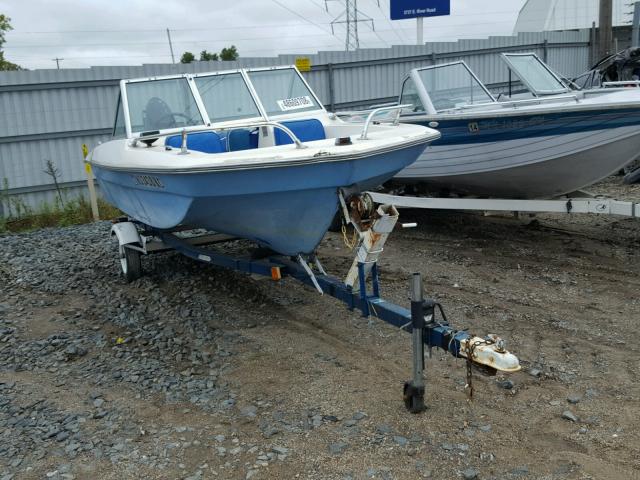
515 111
308 160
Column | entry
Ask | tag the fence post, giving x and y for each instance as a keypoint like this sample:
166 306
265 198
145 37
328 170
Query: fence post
592 45
635 32
332 100
93 199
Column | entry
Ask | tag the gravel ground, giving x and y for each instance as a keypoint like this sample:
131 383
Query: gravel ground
194 372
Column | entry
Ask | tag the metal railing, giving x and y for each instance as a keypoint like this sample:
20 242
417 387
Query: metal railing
621 83
375 111
515 103
186 131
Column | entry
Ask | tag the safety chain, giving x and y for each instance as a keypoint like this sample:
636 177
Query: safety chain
469 352
351 244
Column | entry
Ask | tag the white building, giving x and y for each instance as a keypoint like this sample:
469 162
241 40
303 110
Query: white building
545 15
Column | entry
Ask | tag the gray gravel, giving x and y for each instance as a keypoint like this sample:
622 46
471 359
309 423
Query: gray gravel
194 372
113 339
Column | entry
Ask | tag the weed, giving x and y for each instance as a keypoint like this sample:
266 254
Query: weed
60 213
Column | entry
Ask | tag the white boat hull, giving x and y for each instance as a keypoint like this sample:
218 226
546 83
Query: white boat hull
529 167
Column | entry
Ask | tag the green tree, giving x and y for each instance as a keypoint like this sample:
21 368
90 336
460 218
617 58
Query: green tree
229 54
5 26
187 57
208 56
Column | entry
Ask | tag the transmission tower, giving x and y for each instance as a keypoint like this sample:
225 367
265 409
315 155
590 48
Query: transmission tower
350 17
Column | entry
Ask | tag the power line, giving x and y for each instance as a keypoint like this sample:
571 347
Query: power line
158 30
168 56
277 2
263 25
214 40
237 27
206 40
389 21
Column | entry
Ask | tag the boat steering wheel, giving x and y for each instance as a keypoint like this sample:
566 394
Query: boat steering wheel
158 115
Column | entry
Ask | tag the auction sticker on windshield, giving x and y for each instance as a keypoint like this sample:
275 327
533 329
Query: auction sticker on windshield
295 103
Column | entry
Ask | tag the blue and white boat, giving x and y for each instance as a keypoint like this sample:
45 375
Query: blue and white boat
542 142
250 153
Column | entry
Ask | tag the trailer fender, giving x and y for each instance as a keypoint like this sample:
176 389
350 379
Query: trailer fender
127 234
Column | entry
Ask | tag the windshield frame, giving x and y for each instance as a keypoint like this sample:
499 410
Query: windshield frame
563 89
284 114
423 92
190 77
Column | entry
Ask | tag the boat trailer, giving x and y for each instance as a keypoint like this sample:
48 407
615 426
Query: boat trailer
360 291
579 202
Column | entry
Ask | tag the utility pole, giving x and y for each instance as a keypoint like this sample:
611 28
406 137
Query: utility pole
635 35
57 60
173 59
351 16
606 28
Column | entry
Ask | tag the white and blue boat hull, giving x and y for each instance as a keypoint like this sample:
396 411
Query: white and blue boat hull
286 208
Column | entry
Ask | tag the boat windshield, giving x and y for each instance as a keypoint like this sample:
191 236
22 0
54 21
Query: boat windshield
162 104
226 97
282 91
534 73
241 96
453 85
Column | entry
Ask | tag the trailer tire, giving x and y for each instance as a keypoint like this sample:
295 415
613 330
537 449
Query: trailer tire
130 262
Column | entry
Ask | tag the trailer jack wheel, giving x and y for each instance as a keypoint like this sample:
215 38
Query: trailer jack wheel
130 263
413 398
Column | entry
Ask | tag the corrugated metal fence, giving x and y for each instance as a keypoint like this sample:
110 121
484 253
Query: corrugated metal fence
49 114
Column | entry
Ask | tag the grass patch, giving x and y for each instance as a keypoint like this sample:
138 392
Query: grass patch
73 211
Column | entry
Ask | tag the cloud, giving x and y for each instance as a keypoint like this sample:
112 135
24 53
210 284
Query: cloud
119 32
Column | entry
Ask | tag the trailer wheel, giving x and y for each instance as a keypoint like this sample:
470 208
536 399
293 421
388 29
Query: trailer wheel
130 263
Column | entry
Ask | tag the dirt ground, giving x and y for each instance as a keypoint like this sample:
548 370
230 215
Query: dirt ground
316 389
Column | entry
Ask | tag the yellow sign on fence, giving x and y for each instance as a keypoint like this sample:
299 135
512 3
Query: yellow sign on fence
303 64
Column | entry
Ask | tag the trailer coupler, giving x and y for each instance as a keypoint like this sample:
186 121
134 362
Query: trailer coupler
487 355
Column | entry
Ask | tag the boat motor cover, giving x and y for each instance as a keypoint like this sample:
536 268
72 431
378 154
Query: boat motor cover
306 130
206 142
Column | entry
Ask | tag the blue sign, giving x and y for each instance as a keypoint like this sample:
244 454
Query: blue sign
401 9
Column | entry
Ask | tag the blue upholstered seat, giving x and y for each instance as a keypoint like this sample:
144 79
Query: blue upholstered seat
306 130
207 142
242 139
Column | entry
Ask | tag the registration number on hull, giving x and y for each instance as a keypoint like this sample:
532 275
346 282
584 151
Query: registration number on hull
148 181
475 127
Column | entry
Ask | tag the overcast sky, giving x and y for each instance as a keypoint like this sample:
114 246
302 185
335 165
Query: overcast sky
129 32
